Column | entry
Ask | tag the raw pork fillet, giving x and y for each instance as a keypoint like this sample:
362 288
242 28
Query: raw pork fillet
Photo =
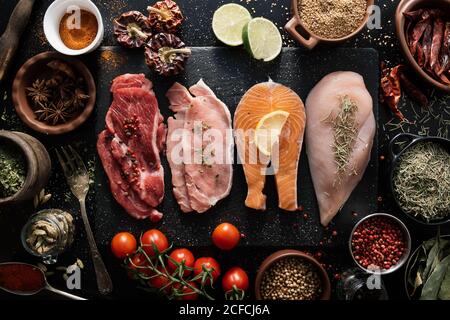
199 147
130 146
325 100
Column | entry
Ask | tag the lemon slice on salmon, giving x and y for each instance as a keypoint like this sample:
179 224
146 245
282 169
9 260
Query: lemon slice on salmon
268 130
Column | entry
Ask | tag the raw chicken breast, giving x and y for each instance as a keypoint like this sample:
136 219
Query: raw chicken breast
325 100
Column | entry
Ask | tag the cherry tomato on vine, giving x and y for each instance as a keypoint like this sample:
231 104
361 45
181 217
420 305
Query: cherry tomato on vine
123 244
138 260
160 281
210 264
154 237
187 292
235 278
226 236
180 256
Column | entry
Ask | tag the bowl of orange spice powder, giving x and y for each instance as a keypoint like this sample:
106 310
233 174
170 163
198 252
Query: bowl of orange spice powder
73 27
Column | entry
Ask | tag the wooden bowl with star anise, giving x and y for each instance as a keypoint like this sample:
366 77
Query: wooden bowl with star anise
53 93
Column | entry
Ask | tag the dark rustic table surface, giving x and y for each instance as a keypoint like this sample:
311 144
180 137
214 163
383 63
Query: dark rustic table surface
197 31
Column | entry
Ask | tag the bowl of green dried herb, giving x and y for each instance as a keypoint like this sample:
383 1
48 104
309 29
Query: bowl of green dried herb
420 177
24 167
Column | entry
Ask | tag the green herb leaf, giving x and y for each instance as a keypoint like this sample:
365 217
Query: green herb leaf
432 286
444 292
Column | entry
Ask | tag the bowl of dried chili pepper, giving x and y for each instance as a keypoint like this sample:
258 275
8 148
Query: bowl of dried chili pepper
54 93
423 29
380 243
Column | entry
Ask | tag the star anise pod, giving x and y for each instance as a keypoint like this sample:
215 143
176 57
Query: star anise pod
78 100
54 81
65 89
38 92
42 111
57 113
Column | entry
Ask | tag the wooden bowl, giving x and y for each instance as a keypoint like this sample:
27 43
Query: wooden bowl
38 165
31 70
411 5
282 254
307 38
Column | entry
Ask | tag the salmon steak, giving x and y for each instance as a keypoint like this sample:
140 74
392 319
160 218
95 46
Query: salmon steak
259 101
339 137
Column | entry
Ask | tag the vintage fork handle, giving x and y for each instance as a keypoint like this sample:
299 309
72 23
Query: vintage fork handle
104 282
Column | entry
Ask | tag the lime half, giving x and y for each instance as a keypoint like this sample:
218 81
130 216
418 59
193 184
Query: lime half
229 21
262 39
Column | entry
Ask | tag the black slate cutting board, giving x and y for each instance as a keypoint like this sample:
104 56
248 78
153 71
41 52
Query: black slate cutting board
230 73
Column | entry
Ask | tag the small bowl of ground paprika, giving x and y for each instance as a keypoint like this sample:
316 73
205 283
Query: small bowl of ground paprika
73 27
380 243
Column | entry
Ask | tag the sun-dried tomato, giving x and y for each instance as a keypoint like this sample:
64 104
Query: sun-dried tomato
132 29
165 16
166 54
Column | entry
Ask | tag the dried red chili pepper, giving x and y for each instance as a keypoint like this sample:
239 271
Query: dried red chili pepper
420 55
412 90
413 16
391 90
438 36
444 58
416 34
426 43
165 16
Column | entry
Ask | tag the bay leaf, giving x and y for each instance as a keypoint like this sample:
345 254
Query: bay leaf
434 281
417 283
416 265
432 259
427 245
444 292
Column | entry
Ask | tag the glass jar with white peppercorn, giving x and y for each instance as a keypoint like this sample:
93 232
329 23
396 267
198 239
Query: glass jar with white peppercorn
48 233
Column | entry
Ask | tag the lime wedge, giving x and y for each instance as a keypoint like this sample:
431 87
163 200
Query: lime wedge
229 21
262 39
268 130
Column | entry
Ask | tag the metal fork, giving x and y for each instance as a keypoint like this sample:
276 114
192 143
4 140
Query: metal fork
78 179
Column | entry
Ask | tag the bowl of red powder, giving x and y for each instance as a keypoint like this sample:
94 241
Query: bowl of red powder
380 243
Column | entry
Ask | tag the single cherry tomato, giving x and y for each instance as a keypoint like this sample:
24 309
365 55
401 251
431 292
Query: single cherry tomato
226 236
123 244
187 292
235 278
210 264
156 238
181 256
138 260
160 281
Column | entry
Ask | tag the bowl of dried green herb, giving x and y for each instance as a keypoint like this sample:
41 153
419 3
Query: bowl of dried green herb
53 93
24 167
420 177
